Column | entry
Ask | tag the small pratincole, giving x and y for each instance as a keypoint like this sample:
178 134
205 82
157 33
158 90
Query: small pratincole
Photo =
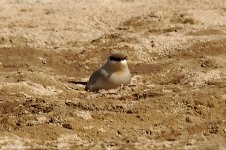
112 74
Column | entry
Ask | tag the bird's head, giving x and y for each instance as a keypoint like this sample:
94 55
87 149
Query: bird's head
118 59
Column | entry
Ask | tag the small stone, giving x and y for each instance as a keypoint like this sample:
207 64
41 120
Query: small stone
191 83
206 134
211 104
86 115
214 129
188 119
44 61
224 130
119 132
43 120
67 126
102 130
26 112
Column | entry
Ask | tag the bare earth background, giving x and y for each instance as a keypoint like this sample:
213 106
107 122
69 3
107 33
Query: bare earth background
177 56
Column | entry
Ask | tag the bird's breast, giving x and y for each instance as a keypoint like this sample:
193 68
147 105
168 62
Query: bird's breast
121 77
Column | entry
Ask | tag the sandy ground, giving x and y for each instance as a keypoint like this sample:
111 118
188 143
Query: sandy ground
177 56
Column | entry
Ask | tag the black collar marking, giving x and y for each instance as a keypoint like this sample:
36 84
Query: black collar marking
116 58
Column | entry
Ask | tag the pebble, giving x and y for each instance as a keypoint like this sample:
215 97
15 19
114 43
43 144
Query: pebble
188 119
224 130
43 120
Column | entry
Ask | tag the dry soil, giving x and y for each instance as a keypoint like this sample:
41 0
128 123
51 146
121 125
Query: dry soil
177 56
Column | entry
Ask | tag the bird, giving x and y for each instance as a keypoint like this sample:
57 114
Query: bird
114 73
